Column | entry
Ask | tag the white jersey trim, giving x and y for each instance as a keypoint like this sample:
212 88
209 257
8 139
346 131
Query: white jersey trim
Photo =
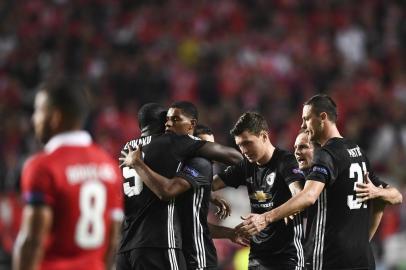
198 229
171 231
297 239
71 138
172 259
320 231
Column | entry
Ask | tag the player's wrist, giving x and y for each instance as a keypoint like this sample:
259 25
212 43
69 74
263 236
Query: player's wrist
381 194
231 234
225 232
268 218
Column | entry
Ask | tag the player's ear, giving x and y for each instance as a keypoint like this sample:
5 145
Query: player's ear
323 116
264 135
56 120
193 123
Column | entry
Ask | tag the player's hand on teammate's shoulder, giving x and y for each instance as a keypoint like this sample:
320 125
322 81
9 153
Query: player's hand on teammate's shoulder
367 190
132 157
252 224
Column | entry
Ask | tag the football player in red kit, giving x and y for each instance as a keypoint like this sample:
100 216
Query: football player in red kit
72 190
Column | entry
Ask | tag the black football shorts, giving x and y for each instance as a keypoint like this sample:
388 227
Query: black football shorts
151 258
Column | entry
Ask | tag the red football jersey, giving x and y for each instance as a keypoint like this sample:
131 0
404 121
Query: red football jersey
82 185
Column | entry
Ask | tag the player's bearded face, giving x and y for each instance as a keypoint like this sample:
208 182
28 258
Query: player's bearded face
41 118
178 122
251 146
312 123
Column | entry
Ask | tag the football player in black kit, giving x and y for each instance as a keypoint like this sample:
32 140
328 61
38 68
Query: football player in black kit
338 223
223 208
380 196
192 186
271 176
151 235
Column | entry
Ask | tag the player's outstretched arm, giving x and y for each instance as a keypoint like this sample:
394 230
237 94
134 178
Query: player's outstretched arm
380 197
294 187
29 246
221 232
368 191
254 223
376 216
163 187
114 239
220 153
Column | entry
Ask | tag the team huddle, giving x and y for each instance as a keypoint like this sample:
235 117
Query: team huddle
316 208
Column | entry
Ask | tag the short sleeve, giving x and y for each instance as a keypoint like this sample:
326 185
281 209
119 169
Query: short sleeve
374 178
234 176
290 170
185 146
323 169
197 171
37 184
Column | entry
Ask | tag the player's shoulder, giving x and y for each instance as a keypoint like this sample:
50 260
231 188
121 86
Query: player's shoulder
36 168
202 165
338 144
283 152
40 159
174 136
339 148
143 140
324 152
283 155
200 161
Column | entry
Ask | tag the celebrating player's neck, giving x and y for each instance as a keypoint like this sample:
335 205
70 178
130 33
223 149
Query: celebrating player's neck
152 130
330 131
65 126
269 150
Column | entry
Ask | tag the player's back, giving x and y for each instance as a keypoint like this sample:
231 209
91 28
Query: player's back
82 185
150 222
339 224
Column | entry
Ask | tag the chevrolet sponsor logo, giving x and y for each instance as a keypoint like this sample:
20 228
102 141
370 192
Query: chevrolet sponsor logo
260 196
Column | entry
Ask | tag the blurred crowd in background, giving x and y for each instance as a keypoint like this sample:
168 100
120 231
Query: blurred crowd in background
225 56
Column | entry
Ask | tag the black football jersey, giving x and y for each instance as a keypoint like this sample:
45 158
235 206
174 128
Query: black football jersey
198 247
338 224
150 222
268 188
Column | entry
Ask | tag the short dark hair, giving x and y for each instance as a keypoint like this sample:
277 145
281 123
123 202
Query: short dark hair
323 103
69 97
312 142
151 114
252 122
187 108
202 129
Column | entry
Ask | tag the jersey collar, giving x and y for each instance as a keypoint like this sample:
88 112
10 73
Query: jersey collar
71 138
